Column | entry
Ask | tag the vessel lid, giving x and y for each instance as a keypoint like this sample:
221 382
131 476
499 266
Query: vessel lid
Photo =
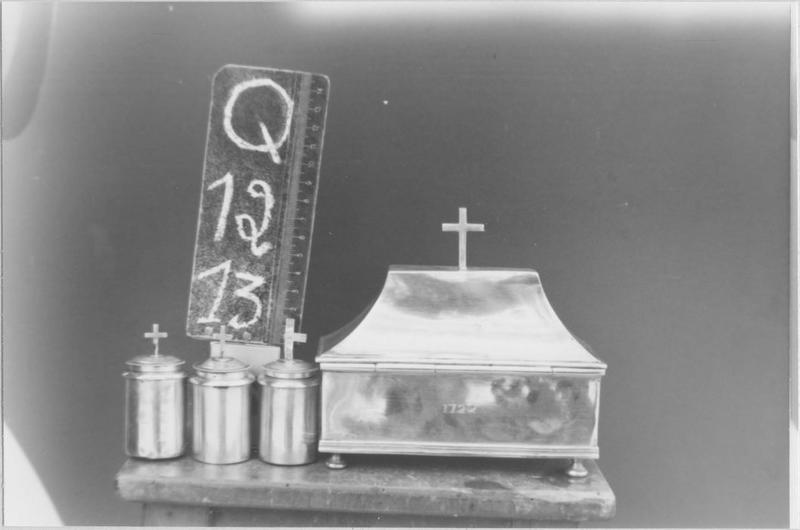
458 318
290 369
287 367
221 365
155 362
446 316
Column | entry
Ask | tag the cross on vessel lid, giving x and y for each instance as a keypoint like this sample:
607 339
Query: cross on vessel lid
154 362
290 336
219 363
287 367
155 335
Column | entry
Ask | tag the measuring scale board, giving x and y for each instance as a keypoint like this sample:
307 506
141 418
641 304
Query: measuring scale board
263 152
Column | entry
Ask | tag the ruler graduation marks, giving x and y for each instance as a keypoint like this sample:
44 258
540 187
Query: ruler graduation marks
256 218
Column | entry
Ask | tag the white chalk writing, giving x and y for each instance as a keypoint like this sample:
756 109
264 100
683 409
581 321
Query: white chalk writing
225 268
257 188
246 226
270 145
227 196
246 292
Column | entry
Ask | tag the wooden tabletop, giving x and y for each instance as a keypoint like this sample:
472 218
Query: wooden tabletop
426 486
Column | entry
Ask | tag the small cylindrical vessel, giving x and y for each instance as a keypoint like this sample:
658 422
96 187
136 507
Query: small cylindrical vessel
289 424
154 406
221 411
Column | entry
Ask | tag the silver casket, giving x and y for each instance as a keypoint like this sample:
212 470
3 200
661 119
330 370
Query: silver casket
459 362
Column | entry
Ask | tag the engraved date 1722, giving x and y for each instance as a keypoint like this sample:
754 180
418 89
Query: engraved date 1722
458 408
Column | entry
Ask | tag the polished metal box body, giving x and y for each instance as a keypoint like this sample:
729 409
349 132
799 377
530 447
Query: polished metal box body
477 414
450 362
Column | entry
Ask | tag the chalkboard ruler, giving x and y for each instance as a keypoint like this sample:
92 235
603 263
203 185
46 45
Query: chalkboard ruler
263 152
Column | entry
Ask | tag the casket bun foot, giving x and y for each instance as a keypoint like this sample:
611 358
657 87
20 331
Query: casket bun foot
335 461
576 469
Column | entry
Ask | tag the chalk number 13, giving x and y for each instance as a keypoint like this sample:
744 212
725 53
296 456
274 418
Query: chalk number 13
245 292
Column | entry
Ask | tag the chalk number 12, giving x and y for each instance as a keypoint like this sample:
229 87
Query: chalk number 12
246 226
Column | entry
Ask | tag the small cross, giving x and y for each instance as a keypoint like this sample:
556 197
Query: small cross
221 337
155 335
462 227
289 338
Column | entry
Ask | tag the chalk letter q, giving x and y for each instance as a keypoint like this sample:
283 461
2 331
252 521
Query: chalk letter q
270 145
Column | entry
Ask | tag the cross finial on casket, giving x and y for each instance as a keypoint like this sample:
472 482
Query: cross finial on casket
221 337
462 227
289 338
155 336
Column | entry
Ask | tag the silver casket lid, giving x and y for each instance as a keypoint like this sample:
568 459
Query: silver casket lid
445 318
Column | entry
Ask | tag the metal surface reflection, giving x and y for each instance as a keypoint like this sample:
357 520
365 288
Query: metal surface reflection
459 362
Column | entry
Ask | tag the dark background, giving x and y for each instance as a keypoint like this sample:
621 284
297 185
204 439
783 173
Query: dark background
637 156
